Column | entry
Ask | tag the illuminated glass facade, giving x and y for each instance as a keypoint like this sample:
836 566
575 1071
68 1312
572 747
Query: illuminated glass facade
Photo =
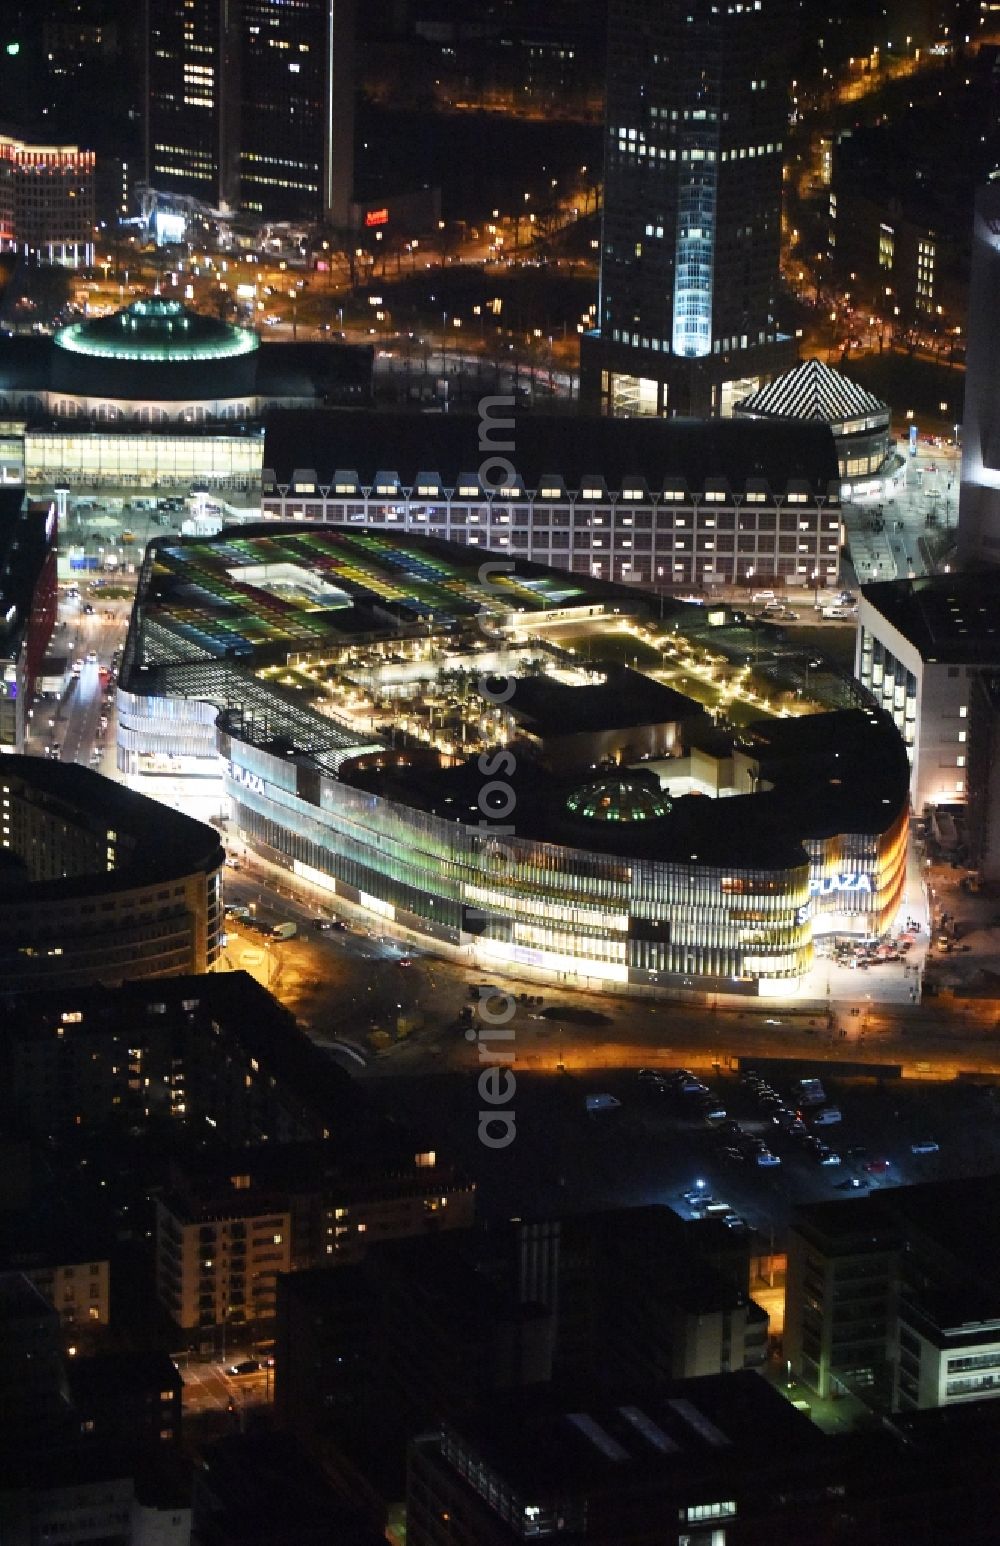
536 906
140 459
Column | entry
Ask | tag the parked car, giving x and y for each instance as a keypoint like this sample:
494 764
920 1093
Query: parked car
826 1116
808 1092
603 1102
925 1146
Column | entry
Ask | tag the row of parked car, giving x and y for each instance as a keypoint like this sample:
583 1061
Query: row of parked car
799 1120
690 1091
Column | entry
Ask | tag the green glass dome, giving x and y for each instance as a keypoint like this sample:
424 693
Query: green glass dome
619 799
156 329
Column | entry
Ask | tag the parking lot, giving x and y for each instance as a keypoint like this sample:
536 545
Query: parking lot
653 1148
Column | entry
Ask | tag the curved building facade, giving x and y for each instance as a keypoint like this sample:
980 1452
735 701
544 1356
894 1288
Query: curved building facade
859 422
574 911
716 895
100 884
189 357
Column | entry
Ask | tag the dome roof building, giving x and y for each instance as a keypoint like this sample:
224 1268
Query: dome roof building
155 348
156 361
619 799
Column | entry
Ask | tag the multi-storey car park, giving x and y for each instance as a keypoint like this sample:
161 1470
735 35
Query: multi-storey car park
405 725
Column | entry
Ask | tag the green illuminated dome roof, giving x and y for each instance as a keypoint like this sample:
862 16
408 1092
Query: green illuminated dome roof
156 329
634 798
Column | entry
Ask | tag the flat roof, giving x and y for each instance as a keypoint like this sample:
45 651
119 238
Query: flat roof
848 772
590 1440
617 698
694 451
949 619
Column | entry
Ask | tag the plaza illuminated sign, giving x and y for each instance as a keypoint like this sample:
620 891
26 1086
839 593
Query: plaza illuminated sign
827 884
252 781
376 217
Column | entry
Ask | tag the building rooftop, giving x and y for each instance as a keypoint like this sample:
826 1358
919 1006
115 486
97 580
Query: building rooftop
327 372
958 1219
614 698
263 1489
545 1441
837 772
950 619
265 592
156 329
317 447
813 391
20 1300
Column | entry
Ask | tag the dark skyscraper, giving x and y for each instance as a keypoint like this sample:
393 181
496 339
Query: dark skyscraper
192 99
696 119
250 104
296 143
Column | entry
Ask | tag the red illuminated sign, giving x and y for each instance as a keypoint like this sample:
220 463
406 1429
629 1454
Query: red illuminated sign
376 217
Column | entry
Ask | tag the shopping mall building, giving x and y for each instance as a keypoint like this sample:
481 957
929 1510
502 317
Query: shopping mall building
379 703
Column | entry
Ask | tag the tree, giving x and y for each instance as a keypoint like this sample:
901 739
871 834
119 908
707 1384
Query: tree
44 288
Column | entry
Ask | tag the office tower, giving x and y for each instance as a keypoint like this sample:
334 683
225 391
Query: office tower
192 99
696 118
979 498
250 105
297 119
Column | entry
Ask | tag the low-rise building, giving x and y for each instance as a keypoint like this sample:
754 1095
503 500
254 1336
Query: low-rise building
225 1231
674 503
921 645
858 420
714 1459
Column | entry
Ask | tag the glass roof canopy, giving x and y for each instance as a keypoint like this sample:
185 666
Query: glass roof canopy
222 595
